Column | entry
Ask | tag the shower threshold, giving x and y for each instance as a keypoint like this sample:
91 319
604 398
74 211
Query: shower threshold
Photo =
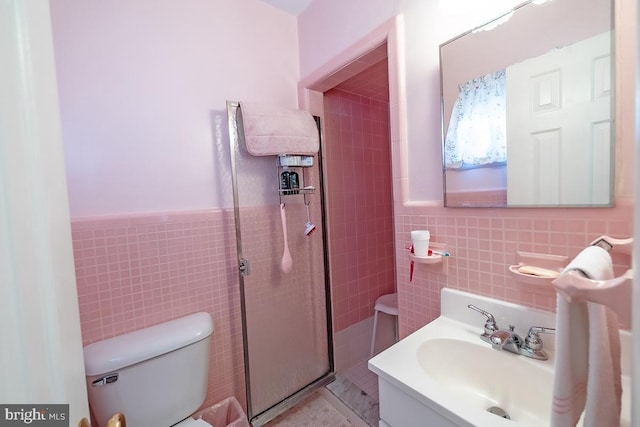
365 406
291 401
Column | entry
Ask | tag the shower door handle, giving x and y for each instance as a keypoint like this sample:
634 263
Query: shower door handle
243 266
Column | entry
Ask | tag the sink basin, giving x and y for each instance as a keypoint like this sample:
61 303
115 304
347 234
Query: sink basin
483 378
443 374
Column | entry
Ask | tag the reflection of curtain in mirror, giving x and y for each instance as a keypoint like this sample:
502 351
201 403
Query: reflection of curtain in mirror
477 128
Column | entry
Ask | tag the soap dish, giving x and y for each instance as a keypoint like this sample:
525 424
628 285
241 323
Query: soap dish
531 279
538 270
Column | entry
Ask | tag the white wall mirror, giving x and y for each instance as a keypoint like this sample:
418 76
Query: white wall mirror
528 108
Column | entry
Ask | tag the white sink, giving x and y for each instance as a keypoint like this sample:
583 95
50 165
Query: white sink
445 374
483 378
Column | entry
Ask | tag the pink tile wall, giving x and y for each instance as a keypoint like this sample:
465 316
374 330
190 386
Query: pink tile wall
359 204
483 243
140 270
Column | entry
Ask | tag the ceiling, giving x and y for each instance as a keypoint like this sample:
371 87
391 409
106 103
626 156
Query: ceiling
293 7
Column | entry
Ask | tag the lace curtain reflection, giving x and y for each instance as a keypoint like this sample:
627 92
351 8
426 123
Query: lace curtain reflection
477 129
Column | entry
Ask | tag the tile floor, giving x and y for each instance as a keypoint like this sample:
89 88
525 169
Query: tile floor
360 375
320 409
350 401
356 399
313 411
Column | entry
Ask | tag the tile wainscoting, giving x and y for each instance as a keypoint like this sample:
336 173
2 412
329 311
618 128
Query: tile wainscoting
483 243
135 271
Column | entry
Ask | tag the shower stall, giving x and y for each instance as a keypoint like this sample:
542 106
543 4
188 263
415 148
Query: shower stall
283 268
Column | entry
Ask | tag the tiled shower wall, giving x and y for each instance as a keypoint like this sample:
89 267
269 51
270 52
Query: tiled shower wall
140 270
359 204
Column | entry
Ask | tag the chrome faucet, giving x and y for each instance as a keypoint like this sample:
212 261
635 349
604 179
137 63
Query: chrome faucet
507 340
510 341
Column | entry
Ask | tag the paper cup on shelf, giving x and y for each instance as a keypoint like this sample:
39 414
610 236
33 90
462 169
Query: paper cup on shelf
420 242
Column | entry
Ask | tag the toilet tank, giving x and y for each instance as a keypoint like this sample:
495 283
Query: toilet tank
155 376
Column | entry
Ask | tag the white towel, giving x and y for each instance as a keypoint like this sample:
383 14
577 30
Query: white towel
587 362
271 130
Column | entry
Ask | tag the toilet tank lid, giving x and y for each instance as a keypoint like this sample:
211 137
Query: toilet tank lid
125 350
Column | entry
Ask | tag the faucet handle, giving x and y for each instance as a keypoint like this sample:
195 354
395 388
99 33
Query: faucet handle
533 343
533 340
490 325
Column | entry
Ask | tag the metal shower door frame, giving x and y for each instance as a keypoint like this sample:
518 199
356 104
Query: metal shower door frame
235 134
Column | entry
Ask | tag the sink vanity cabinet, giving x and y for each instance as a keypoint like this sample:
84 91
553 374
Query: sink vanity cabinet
445 375
398 408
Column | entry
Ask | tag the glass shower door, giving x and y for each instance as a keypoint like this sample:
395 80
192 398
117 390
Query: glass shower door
285 314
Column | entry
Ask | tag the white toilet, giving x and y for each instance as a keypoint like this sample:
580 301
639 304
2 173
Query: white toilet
155 376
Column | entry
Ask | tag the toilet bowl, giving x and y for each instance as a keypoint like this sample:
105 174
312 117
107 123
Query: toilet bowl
155 376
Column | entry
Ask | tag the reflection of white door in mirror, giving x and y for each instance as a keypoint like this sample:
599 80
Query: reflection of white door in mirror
535 30
559 126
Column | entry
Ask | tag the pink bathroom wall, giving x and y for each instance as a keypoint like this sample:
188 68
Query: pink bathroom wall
144 132
483 242
359 201
134 271
143 87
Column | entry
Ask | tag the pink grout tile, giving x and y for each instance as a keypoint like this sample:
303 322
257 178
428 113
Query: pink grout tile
122 277
482 245
356 159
